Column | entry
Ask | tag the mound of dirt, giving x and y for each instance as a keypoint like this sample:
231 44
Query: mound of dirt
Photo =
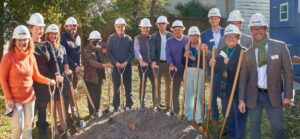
139 124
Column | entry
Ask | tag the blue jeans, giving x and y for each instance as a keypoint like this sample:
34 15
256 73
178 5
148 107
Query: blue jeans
236 123
275 116
190 93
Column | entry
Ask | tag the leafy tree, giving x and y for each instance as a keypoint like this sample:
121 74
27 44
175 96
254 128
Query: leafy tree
192 8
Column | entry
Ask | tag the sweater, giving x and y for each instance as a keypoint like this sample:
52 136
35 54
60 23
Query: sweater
16 76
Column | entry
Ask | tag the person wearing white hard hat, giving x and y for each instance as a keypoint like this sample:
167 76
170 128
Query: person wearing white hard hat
192 51
18 70
226 66
266 79
211 37
94 72
235 18
158 42
174 56
71 40
45 57
52 35
142 54
121 52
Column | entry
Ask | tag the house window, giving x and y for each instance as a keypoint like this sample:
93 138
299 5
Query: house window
284 11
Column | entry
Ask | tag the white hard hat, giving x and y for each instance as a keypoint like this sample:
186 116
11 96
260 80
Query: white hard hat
162 19
258 20
71 21
52 28
21 32
235 15
232 29
193 31
214 12
120 21
36 19
145 22
95 35
177 23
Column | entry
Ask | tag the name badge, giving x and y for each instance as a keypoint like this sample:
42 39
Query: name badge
211 40
274 57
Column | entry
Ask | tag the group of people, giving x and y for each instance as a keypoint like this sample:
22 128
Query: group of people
264 82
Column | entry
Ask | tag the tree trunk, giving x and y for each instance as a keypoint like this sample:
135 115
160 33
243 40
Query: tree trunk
2 42
152 11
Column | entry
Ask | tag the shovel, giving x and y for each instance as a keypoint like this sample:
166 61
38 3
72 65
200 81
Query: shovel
122 91
109 82
172 75
155 73
182 117
201 128
143 71
62 104
210 92
52 89
194 122
232 92
80 121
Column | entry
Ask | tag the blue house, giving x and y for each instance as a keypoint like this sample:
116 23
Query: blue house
285 23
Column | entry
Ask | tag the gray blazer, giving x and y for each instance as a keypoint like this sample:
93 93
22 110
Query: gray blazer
245 41
279 75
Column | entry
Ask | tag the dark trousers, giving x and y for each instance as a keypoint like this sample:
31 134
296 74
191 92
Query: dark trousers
164 72
215 109
236 123
275 116
127 80
95 93
176 90
148 74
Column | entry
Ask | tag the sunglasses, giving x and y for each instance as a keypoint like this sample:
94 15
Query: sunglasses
161 23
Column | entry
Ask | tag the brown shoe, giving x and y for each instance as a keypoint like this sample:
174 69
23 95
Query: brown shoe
215 122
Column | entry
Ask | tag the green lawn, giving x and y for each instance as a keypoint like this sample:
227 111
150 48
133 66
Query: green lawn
291 121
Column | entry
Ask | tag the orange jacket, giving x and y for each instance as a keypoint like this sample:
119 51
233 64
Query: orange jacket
16 77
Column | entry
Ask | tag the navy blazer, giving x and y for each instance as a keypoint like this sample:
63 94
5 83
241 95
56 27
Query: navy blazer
208 38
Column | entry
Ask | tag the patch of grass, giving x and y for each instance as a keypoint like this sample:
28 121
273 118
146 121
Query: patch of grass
291 121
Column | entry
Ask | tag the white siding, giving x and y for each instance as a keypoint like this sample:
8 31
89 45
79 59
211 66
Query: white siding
249 7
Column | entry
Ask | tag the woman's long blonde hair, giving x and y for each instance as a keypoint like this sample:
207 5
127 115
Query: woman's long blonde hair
57 43
12 45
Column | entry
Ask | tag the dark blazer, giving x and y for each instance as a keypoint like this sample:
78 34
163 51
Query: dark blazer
208 38
279 75
231 70
155 46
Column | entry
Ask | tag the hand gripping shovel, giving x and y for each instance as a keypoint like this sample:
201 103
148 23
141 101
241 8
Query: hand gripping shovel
232 93
121 88
143 71
172 75
155 73
52 89
80 121
210 92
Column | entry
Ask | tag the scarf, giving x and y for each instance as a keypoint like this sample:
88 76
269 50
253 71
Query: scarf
262 51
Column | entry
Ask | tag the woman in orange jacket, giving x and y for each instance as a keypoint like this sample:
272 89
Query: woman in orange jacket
18 70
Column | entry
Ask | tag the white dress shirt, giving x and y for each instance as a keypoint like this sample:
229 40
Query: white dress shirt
217 37
261 72
163 46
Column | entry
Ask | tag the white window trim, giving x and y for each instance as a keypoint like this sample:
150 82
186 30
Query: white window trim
284 4
298 6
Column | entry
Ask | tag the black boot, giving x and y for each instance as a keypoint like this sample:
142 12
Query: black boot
42 129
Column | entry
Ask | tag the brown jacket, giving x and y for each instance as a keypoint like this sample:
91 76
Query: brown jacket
279 75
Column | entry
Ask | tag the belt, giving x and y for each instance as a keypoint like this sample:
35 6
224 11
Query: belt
163 61
262 90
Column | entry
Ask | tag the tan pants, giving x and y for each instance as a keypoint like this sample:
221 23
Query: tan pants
164 72
21 121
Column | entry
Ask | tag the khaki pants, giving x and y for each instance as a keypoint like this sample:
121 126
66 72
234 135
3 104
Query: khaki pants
21 121
164 72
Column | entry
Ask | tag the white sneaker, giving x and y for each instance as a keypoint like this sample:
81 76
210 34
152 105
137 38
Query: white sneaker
127 109
92 116
99 114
